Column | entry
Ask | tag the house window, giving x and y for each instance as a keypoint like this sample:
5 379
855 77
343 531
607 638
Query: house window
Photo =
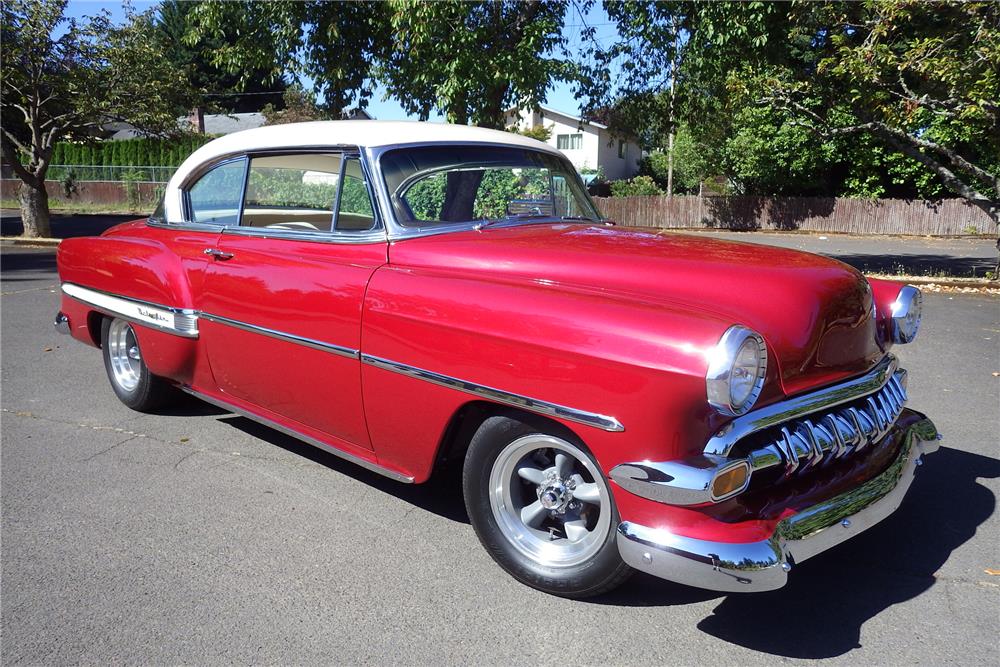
622 149
569 141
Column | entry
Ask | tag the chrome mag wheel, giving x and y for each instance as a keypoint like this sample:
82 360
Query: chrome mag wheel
124 355
550 501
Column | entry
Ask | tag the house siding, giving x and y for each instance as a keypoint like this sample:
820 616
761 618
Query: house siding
599 148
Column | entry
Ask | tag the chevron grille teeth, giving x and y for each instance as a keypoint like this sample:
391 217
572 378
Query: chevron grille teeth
807 443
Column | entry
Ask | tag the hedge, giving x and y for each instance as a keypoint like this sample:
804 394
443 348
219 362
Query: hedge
129 152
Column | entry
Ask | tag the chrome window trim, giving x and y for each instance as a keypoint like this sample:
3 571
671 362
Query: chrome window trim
800 406
377 234
602 422
185 319
280 335
340 453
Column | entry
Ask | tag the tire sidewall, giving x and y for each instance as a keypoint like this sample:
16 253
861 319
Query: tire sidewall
579 580
138 398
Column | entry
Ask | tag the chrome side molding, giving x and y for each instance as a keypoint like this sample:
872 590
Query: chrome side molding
184 322
602 422
281 335
177 321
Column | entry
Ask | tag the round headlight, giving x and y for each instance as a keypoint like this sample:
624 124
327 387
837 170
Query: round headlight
906 311
736 371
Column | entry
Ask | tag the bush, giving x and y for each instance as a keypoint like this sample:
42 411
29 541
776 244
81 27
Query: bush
635 187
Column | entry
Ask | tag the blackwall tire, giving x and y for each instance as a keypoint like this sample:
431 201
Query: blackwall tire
542 508
130 379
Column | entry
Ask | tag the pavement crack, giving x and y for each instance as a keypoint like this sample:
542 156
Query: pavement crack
93 427
108 449
30 289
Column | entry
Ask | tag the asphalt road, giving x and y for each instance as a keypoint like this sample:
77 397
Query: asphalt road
200 537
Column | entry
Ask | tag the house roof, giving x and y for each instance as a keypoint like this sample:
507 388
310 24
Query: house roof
219 123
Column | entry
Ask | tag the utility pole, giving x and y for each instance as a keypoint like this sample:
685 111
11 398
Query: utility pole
670 136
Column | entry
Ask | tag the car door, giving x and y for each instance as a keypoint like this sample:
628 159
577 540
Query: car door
281 309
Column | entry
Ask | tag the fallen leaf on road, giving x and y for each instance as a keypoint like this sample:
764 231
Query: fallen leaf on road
185 439
992 571
996 375
48 349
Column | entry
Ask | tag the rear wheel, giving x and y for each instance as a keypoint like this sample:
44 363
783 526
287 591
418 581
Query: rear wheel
130 379
543 510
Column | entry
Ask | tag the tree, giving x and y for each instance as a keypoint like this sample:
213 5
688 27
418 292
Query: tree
469 60
474 60
299 106
839 96
334 44
64 80
246 91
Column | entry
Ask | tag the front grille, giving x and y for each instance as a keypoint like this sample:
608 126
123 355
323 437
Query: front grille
823 437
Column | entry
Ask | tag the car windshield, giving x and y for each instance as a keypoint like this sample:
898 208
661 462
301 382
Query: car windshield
437 185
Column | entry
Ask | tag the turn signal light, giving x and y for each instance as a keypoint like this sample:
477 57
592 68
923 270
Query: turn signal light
730 481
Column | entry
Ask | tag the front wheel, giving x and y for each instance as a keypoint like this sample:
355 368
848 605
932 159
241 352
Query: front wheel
542 509
130 379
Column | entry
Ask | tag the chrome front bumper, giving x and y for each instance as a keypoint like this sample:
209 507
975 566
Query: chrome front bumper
764 565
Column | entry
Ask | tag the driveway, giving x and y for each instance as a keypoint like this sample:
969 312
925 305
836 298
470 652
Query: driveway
201 537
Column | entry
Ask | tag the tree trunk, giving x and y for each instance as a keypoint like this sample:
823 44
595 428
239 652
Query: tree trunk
34 201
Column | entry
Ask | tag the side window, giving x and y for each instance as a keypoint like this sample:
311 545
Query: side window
292 191
355 212
215 198
309 192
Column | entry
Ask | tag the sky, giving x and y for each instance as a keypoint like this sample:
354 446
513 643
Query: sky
559 97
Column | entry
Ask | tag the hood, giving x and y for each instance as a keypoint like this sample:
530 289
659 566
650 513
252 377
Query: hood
816 314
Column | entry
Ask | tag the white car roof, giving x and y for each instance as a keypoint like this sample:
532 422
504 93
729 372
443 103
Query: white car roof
361 133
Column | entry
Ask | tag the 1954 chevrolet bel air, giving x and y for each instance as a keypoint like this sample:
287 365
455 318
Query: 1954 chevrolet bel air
409 295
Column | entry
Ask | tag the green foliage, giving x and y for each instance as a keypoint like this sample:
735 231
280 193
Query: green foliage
635 187
877 98
65 79
146 151
690 164
299 105
469 60
219 89
539 132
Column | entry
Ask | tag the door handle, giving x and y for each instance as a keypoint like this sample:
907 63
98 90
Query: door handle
218 254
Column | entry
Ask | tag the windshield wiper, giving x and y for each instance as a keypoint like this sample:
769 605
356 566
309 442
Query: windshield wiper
539 216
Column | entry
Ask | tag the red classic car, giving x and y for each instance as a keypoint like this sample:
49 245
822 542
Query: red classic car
410 295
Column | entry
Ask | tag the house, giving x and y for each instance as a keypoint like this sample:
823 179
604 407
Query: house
590 146
216 124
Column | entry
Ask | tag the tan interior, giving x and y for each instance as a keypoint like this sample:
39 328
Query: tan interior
304 218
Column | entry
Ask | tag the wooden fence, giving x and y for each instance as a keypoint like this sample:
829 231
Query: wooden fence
945 217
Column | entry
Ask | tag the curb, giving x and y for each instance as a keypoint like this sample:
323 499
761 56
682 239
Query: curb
978 283
38 242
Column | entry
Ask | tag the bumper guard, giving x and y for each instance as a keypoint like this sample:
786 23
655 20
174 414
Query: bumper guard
764 565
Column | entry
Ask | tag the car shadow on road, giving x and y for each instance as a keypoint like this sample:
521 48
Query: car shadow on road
819 614
919 265
28 261
442 495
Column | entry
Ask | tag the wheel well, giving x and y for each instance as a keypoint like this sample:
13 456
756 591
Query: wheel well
467 420
94 320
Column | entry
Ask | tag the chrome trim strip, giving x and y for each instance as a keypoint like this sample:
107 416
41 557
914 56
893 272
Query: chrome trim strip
764 565
280 335
185 226
374 467
498 395
778 413
376 235
177 321
684 482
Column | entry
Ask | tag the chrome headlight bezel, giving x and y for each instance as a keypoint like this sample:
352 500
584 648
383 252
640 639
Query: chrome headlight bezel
906 313
722 359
